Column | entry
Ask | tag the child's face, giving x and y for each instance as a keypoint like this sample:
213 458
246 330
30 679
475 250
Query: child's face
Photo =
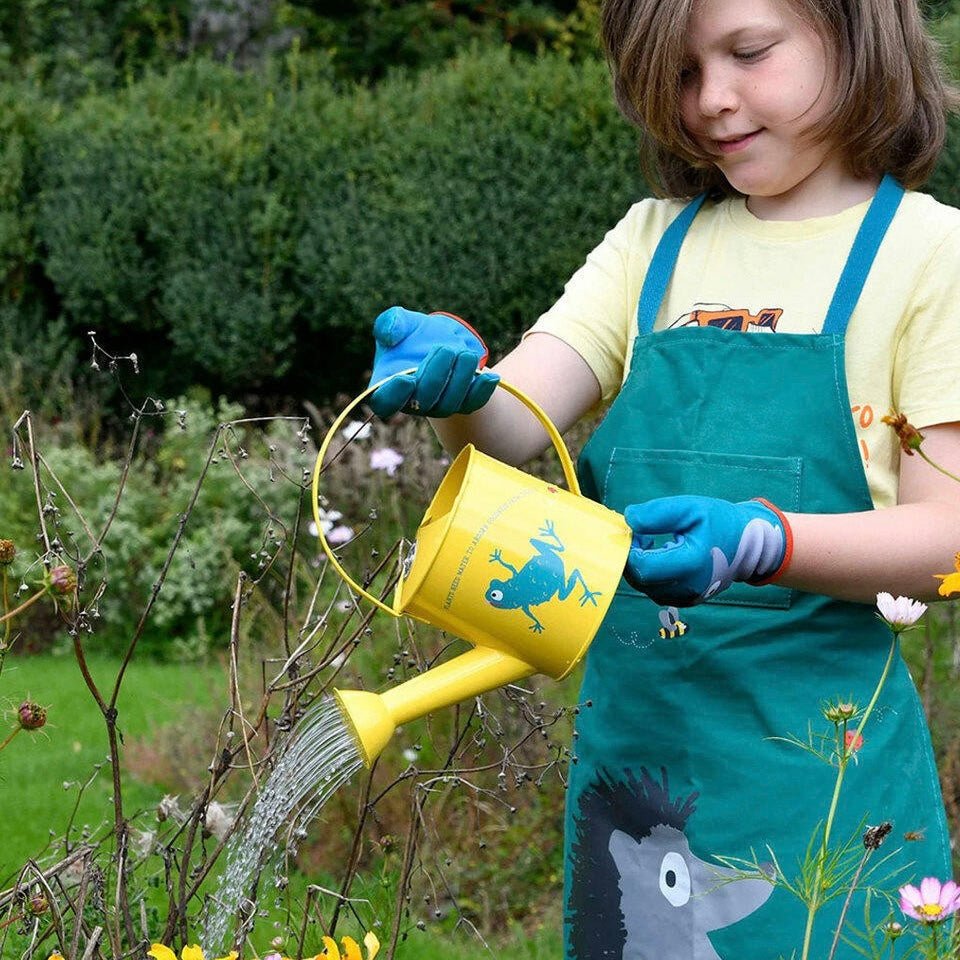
757 76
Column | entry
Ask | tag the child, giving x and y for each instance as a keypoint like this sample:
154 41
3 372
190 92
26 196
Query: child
750 343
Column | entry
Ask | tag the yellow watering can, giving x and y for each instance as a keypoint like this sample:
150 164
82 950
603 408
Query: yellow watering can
518 567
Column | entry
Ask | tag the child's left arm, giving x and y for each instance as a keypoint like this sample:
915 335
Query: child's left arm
854 555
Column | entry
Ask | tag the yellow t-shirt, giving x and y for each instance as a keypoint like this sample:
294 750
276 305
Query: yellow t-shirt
769 277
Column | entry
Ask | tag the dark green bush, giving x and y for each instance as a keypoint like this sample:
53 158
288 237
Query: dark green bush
237 229
90 45
242 230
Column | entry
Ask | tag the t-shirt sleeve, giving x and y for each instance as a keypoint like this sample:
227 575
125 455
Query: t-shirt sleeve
926 369
595 313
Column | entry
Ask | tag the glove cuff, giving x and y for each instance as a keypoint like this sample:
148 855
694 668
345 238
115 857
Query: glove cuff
486 351
787 545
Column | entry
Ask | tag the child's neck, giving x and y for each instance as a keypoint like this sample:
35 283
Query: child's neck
825 192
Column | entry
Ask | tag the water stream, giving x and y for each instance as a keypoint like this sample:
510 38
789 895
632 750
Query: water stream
320 755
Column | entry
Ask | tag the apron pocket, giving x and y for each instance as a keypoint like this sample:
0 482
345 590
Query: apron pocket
635 475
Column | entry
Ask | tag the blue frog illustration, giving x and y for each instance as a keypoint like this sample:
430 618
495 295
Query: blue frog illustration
539 580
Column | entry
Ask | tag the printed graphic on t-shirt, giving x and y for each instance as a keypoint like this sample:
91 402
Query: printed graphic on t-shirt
731 318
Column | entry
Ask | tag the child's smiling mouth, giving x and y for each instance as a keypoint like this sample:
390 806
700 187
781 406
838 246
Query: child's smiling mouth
733 144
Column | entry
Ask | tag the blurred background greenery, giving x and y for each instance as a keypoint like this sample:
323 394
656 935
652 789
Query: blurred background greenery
234 189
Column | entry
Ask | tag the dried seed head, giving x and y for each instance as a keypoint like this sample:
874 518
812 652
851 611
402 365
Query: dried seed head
38 905
874 836
909 436
31 716
8 550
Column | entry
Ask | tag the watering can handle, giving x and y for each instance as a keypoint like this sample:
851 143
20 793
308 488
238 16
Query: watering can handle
569 472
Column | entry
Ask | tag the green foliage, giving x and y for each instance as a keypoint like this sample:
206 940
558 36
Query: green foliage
242 227
228 531
368 38
89 44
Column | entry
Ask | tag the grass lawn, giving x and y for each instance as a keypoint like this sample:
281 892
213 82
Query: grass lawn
41 774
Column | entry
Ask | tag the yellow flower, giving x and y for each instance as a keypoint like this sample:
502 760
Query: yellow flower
351 949
950 582
159 952
53 956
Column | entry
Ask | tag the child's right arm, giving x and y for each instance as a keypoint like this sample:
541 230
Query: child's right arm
462 402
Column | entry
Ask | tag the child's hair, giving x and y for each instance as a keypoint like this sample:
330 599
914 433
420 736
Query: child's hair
889 112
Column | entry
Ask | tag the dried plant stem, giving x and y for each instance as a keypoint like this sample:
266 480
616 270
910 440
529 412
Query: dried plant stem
846 903
405 872
23 606
353 861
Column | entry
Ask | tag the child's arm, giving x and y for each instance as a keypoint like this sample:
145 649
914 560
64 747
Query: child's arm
712 543
854 555
548 370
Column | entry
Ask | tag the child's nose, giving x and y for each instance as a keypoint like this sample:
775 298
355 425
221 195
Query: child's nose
717 93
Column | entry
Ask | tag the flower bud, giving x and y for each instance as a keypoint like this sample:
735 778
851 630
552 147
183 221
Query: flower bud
893 929
31 716
8 551
840 712
63 581
853 741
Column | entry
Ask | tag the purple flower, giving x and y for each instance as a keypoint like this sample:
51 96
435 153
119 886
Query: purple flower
340 534
386 458
933 902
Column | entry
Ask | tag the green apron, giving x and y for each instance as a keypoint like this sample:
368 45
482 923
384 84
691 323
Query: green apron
675 762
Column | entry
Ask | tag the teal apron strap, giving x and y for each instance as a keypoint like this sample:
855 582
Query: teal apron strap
661 266
869 237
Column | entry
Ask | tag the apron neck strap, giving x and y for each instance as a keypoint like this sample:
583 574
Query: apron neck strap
661 266
872 230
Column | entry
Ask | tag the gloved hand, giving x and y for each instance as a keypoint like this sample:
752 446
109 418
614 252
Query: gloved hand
447 353
713 543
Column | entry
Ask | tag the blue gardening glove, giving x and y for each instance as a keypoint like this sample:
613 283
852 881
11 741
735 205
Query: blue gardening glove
447 353
712 544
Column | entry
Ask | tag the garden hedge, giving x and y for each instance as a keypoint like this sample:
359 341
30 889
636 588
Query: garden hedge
243 229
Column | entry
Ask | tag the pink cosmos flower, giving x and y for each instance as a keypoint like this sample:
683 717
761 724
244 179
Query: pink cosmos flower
933 902
386 458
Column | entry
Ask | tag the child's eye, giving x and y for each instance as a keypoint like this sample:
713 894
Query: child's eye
751 56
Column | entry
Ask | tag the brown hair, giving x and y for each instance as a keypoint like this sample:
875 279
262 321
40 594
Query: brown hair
889 112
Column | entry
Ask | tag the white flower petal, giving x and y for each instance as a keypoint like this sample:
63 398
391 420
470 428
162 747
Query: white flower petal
356 430
900 612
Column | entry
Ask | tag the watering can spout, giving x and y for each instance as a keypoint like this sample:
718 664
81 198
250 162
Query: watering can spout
373 717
